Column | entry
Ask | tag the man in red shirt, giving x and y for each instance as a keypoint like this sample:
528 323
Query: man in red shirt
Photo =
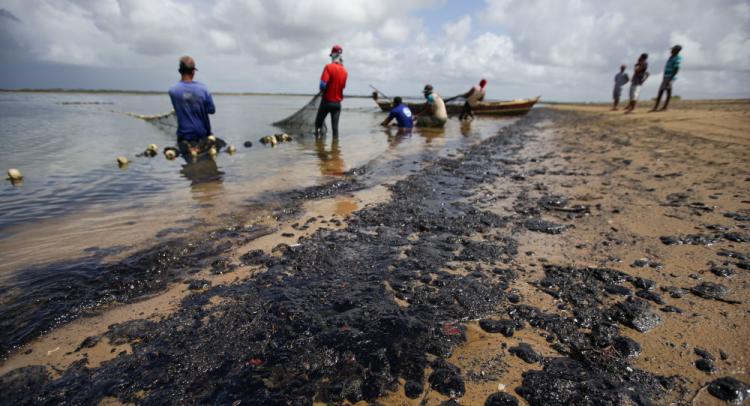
332 84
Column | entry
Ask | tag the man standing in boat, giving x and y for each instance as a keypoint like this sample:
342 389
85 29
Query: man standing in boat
401 113
620 80
192 104
473 97
434 113
332 84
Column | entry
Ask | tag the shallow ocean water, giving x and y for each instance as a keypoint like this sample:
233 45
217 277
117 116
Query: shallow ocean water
75 197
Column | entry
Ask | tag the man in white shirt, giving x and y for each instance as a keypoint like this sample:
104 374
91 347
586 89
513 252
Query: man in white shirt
434 113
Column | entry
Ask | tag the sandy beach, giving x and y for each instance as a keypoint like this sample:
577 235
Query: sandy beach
579 256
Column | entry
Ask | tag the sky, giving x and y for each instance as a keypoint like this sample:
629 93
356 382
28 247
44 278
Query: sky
563 50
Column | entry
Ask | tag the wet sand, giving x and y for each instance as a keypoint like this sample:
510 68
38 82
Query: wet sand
647 175
583 229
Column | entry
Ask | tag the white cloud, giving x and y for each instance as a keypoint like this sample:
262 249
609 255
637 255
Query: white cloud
395 30
457 31
565 50
589 39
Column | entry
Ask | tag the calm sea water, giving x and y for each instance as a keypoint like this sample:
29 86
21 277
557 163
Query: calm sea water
75 196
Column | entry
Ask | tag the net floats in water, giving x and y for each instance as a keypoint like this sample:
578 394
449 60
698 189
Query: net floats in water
171 153
274 139
231 149
15 175
122 161
151 151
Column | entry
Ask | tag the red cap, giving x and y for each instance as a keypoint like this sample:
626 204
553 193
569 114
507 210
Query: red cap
482 82
337 49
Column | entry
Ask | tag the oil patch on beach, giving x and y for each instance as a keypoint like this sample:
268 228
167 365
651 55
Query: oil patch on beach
356 313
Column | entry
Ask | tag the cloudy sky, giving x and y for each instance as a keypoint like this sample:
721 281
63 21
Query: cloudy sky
563 50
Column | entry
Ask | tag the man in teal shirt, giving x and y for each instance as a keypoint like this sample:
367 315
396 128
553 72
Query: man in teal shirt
670 75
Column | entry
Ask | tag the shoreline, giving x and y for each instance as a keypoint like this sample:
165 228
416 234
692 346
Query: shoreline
550 231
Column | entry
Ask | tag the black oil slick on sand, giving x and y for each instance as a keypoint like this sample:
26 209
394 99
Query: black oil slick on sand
348 313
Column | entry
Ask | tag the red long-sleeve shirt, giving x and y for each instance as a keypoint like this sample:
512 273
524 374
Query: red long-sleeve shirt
334 75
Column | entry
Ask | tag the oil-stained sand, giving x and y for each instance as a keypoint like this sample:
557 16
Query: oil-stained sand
592 246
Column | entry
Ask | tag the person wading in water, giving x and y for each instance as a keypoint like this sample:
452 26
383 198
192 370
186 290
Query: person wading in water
192 104
434 113
332 84
402 114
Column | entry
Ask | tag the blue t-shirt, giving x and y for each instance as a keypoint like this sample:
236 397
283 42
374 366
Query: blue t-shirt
192 103
402 114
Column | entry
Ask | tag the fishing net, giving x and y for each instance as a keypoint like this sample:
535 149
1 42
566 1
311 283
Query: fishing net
303 121
166 122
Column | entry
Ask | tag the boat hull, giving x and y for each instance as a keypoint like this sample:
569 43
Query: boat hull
506 108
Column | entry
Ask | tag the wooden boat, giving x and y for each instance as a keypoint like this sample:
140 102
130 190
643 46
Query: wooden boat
500 108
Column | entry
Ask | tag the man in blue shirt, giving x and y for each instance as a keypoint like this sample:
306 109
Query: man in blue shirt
670 75
401 113
192 103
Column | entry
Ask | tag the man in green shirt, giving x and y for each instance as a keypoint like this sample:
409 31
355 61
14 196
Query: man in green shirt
670 75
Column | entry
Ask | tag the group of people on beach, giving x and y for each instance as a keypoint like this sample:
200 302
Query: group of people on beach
193 103
640 74
434 113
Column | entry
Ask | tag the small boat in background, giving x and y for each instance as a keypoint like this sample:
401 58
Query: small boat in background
499 108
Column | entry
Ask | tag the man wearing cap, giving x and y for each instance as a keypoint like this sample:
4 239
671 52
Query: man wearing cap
332 84
670 75
192 104
434 113
473 97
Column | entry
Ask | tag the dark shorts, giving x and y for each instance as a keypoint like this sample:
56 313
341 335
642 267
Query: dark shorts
666 84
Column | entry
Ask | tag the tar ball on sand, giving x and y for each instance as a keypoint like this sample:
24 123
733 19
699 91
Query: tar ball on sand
122 161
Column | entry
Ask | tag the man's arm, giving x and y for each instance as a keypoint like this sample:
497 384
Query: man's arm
172 98
469 93
426 108
387 120
210 107
324 78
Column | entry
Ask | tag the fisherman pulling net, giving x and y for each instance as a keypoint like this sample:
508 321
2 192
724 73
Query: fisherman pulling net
303 121
311 118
